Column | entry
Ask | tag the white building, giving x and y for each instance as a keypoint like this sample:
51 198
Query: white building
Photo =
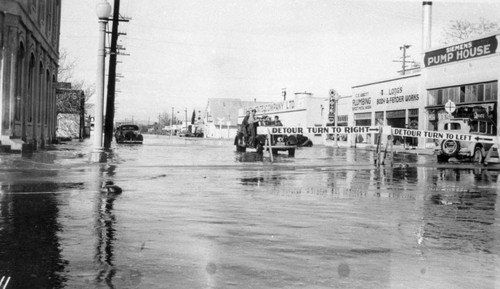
397 102
465 73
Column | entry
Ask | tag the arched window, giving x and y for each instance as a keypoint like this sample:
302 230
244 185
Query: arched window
19 82
31 89
41 94
48 97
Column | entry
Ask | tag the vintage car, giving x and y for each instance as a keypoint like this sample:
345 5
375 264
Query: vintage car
128 133
483 128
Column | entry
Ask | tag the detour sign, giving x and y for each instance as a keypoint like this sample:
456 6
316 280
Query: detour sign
375 129
317 130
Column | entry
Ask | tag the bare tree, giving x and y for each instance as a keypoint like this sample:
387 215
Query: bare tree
71 103
66 66
462 29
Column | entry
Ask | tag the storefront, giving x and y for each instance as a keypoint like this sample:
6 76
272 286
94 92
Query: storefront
464 76
394 102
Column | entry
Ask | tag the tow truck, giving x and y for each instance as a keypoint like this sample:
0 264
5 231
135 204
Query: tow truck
484 131
265 141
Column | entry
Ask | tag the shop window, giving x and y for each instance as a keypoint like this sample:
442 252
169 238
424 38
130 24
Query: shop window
494 91
487 91
431 95
446 96
462 94
379 118
439 96
453 94
366 115
413 112
473 93
396 114
342 118
480 92
468 93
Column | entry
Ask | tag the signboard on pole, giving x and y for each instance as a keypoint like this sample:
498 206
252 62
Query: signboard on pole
332 103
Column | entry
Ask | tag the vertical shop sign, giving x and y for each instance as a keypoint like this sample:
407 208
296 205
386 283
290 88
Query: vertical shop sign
331 110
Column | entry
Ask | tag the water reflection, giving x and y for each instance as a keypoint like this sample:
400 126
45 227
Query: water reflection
105 221
30 250
105 232
248 157
462 209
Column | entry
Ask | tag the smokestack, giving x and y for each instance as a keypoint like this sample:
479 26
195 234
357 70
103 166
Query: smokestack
426 24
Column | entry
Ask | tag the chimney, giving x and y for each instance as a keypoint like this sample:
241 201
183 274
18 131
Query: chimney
426 24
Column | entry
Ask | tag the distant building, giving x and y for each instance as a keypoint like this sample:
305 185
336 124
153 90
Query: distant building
221 116
29 45
71 120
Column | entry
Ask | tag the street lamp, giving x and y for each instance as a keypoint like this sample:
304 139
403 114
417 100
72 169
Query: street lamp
103 11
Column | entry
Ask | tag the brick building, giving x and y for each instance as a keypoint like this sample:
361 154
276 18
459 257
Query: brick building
29 53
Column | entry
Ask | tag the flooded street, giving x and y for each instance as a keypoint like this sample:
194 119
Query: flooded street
196 214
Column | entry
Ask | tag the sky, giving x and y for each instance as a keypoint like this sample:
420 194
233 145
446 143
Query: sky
183 52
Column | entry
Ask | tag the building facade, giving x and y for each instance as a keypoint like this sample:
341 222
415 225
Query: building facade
397 102
464 75
28 71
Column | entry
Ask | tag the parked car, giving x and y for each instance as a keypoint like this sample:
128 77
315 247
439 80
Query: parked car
193 131
465 149
185 133
128 133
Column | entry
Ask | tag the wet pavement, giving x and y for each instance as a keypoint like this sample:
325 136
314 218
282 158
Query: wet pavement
196 214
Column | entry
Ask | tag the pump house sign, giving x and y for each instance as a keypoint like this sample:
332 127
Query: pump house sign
462 51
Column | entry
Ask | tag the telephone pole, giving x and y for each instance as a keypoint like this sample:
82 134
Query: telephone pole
113 52
404 61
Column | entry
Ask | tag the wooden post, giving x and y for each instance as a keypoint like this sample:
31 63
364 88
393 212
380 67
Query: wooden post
377 160
389 139
269 145
392 150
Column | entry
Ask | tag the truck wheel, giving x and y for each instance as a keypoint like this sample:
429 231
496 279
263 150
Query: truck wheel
450 148
477 158
260 149
442 158
291 152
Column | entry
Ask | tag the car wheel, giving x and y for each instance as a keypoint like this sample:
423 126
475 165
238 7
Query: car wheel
291 152
477 158
450 148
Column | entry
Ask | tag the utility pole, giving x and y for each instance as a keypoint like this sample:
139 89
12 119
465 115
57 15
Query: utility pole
113 52
172 122
404 61
186 113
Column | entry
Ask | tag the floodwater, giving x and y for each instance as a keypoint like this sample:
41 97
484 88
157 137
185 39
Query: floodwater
196 214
